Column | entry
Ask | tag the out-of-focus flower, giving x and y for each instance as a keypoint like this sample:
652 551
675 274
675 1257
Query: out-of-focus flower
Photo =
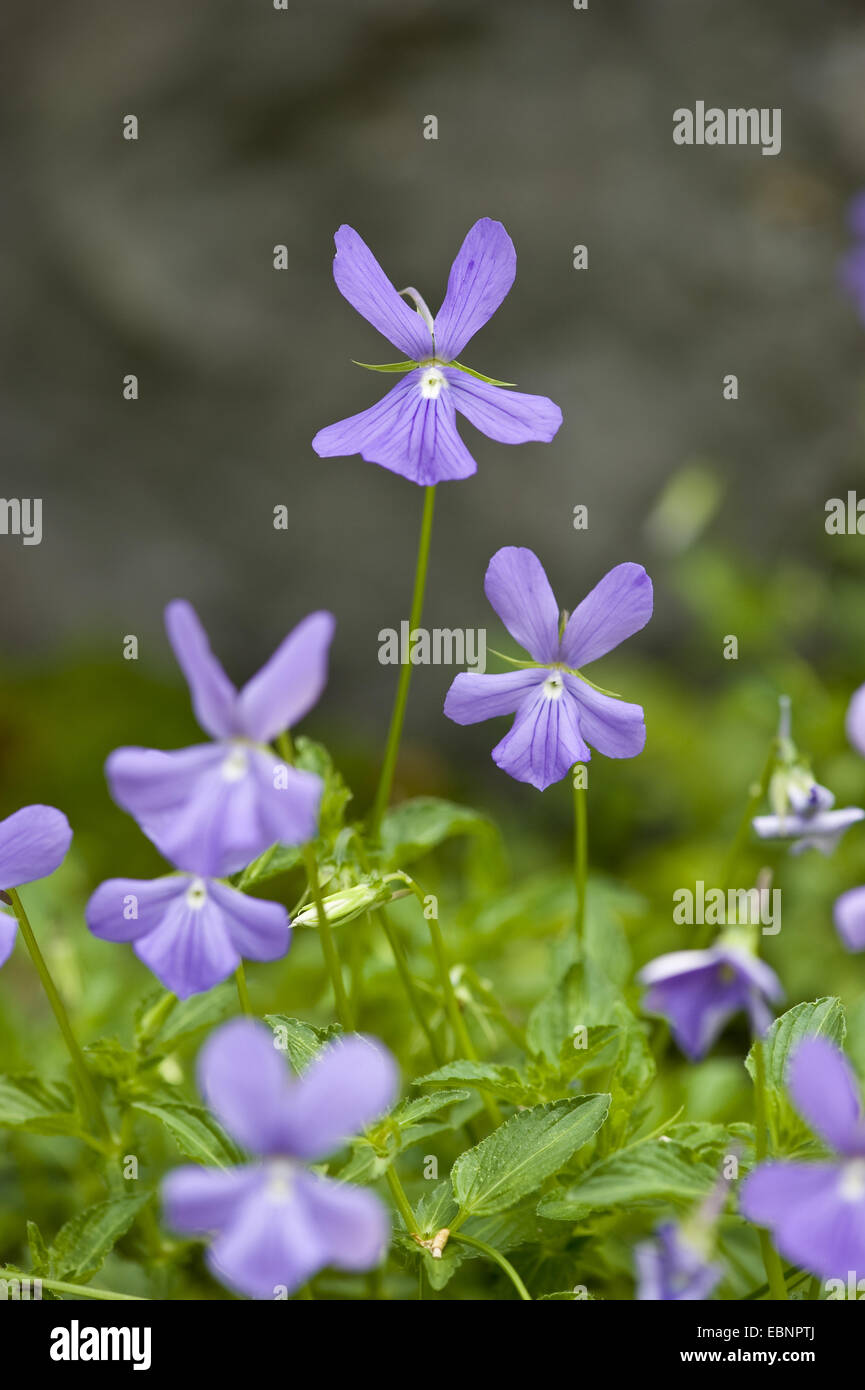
559 713
853 264
412 430
213 808
698 991
191 932
33 843
850 918
273 1223
816 1211
674 1267
810 829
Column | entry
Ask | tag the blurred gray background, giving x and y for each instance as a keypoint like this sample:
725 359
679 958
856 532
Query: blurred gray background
260 127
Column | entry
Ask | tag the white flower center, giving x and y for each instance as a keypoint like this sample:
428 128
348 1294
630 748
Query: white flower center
236 765
554 687
280 1180
852 1185
196 894
432 382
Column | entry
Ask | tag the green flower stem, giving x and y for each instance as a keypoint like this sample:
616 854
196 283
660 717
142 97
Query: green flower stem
242 990
581 853
77 1290
408 984
402 1202
89 1099
500 1260
758 794
771 1259
154 1019
388 767
452 1005
328 945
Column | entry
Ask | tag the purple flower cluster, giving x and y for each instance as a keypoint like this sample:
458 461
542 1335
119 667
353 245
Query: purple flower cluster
273 1223
213 808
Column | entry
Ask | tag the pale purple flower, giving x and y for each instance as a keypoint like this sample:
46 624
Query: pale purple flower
191 932
816 1211
558 712
273 1224
698 991
33 843
850 918
412 430
213 808
673 1268
810 823
855 721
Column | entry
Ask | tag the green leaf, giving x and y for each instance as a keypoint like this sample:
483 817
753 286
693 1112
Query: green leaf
190 1016
40 1256
196 1133
654 1170
503 1082
586 996
405 366
40 1107
109 1058
491 380
412 1112
521 1154
415 827
82 1244
301 1041
824 1018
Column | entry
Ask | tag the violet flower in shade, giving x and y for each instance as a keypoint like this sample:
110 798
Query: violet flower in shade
853 264
274 1223
698 991
412 430
559 713
33 843
191 932
849 913
816 1211
213 808
674 1268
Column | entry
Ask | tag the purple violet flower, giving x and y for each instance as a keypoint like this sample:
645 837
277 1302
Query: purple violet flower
33 843
811 824
849 916
274 1223
412 430
213 808
191 932
816 1211
558 711
698 991
673 1267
